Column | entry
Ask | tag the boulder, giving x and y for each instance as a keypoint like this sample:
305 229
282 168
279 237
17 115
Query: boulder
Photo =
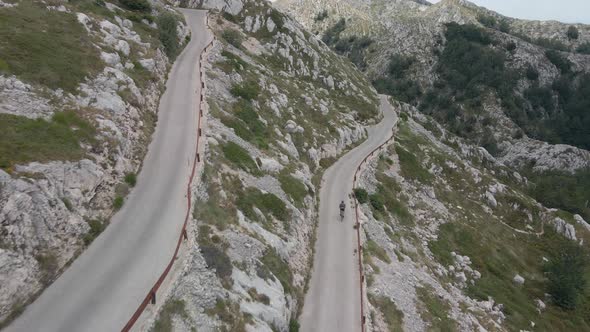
564 228
518 279
111 59
123 47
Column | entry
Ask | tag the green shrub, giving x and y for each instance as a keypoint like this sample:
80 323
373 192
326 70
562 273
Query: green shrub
279 268
332 34
293 187
395 83
564 191
572 32
562 63
136 5
567 276
532 73
267 203
131 179
552 44
540 97
361 195
583 48
321 16
46 47
248 90
247 124
293 325
411 167
377 203
240 157
435 311
118 202
492 23
24 140
96 227
171 308
218 260
67 203
48 264
167 24
375 250
394 318
233 37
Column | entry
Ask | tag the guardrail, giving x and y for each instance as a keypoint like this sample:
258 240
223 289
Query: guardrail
358 225
151 296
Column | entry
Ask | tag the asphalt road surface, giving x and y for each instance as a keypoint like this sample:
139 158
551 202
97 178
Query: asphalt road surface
105 285
332 303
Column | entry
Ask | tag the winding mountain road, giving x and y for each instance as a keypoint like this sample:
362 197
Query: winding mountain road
332 303
103 287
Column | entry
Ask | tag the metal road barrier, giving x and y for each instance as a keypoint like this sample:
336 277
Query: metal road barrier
358 226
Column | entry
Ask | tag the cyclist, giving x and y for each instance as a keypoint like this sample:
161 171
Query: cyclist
342 208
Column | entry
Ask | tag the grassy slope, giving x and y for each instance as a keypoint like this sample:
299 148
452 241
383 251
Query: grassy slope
46 47
495 250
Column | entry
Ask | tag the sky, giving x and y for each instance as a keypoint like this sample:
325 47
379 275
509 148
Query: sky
567 11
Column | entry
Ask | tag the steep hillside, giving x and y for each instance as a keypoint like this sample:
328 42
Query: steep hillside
517 88
456 243
80 83
281 107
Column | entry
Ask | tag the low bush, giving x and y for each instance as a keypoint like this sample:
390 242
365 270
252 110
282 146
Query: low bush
332 34
293 325
377 203
562 63
96 227
569 192
279 268
583 48
393 316
136 5
171 308
254 295
361 195
217 260
435 310
321 16
48 265
248 90
247 124
567 276
532 73
267 203
293 187
118 202
131 179
411 167
240 157
233 37
551 44
167 25
572 33
375 250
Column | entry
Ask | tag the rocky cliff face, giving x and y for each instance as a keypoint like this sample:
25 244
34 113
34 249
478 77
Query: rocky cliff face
281 106
52 206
